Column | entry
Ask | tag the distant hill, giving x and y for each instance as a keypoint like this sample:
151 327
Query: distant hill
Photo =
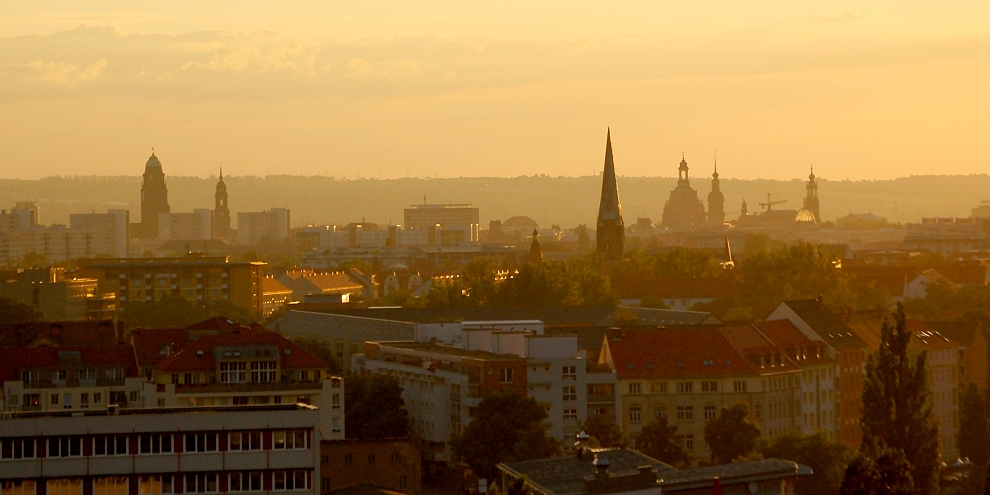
566 201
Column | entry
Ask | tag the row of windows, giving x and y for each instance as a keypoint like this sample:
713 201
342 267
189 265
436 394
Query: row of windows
372 458
684 413
66 399
636 388
155 443
167 484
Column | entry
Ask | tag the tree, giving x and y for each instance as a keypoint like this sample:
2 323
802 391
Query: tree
657 439
974 429
374 408
168 312
321 349
603 429
14 311
888 474
732 434
504 427
897 409
826 458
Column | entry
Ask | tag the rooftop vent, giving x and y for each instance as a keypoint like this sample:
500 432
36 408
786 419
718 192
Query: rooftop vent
199 353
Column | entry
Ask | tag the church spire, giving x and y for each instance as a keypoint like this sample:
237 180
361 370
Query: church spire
611 229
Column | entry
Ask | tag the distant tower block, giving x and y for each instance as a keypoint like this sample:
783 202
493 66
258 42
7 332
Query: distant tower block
611 230
811 198
154 197
716 203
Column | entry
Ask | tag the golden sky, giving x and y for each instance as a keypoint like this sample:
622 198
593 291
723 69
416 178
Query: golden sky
860 90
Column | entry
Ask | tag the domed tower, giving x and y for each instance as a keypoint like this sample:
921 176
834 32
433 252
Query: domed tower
154 197
611 230
811 198
221 213
684 211
716 202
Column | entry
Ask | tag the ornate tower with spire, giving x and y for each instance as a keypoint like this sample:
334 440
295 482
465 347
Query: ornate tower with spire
811 198
611 230
154 197
716 203
535 251
221 212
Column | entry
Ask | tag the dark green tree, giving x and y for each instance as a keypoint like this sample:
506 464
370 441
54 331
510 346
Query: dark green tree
373 408
323 350
974 429
732 435
505 427
603 429
888 474
658 439
897 409
826 458
14 311
168 312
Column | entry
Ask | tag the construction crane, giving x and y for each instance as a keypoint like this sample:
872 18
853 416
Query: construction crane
769 204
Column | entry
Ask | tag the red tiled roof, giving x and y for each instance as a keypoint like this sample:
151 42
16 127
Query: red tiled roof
42 357
149 342
188 358
218 323
788 337
674 353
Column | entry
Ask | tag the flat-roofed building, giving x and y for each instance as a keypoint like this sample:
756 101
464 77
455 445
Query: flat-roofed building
271 448
459 222
272 224
195 226
196 278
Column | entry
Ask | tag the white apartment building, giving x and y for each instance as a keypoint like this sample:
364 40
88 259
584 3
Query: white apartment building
195 226
272 449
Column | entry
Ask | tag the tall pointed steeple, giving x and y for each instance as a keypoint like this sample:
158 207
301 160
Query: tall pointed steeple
716 202
611 229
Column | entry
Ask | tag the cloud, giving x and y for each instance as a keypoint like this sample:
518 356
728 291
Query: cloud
264 66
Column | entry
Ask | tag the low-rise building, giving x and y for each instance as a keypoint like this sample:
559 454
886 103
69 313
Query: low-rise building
270 449
391 464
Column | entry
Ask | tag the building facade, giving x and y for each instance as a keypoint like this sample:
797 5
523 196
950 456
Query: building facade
195 226
272 224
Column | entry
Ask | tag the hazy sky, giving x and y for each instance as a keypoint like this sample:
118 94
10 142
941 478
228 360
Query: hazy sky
470 88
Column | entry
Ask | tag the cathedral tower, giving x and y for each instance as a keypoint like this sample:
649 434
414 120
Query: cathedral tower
716 203
221 212
611 229
154 197
811 198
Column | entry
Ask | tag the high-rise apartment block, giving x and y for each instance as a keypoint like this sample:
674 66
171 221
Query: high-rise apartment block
254 226
195 226
459 223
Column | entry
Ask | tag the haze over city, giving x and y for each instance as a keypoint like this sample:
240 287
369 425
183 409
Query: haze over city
860 90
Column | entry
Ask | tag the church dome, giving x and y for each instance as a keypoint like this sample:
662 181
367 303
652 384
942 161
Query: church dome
153 161
805 215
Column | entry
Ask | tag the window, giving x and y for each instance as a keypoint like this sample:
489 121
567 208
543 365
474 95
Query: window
685 387
245 440
635 414
685 413
570 393
325 485
335 401
31 401
29 378
201 483
709 386
249 481
290 480
635 388
110 445
348 459
658 387
685 442
155 443
110 485
233 372
570 414
291 439
659 412
18 487
84 400
739 386
569 373
263 371
371 458
505 375
64 446
394 457
17 448
118 398
64 486
54 399
403 481
201 442
155 485
709 413
335 425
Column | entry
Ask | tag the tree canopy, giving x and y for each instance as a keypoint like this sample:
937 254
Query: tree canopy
732 435
504 427
897 407
826 458
14 311
374 408
602 429
658 439
176 311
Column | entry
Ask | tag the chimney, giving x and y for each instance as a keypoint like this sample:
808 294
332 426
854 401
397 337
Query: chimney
601 468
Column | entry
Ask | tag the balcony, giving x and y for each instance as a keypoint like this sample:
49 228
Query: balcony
601 398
